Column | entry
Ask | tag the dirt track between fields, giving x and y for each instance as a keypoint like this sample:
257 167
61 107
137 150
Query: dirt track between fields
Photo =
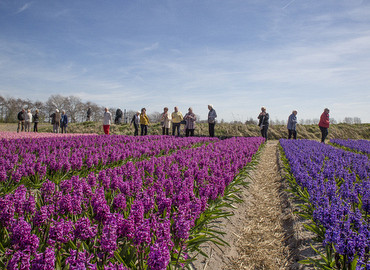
263 233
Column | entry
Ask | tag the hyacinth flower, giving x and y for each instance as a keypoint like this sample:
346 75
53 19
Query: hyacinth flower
334 184
148 213
360 146
58 157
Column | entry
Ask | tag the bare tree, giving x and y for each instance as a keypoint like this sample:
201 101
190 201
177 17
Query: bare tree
356 120
155 117
348 120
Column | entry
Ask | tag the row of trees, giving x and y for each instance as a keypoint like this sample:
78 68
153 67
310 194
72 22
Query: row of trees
77 111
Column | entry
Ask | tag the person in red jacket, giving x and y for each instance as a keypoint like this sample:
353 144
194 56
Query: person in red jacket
324 124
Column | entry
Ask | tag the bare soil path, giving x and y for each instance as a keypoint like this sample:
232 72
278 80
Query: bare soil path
262 233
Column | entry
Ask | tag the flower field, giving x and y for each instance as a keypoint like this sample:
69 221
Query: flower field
334 185
115 202
361 146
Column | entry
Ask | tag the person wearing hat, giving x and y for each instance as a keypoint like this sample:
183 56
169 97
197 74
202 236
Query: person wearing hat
263 123
212 115
190 119
136 121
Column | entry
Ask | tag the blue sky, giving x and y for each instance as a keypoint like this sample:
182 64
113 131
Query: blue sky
238 55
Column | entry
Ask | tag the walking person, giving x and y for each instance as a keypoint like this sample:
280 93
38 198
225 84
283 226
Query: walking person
107 120
21 117
136 121
35 121
190 119
263 122
292 124
144 122
177 117
212 115
165 121
28 121
64 122
324 124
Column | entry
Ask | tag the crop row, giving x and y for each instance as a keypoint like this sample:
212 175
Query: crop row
57 157
335 186
148 213
361 146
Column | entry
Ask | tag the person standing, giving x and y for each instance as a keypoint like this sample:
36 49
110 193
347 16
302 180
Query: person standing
212 115
64 122
177 117
263 122
165 121
28 121
107 120
35 120
56 124
324 124
136 121
292 124
190 119
88 114
144 122
21 117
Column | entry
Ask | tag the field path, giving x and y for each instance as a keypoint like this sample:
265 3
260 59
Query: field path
257 232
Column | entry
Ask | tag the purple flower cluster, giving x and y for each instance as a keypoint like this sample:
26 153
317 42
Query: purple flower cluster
338 185
52 157
362 146
140 211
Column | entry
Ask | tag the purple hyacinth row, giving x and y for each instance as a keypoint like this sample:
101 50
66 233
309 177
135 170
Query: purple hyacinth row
362 146
139 215
54 156
338 187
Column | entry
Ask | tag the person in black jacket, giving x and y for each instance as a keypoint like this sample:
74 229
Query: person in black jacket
21 118
35 121
118 118
263 122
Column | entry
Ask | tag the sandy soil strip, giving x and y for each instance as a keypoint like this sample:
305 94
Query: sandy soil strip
257 232
262 242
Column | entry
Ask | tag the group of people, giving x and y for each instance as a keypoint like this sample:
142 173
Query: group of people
292 124
25 118
174 119
59 120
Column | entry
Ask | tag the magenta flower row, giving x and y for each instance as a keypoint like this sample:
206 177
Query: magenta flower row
138 215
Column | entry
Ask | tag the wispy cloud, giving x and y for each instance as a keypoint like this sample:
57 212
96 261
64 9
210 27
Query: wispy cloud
24 8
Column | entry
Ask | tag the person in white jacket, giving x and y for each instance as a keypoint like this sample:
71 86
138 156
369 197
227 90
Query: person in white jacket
28 120
107 120
165 121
